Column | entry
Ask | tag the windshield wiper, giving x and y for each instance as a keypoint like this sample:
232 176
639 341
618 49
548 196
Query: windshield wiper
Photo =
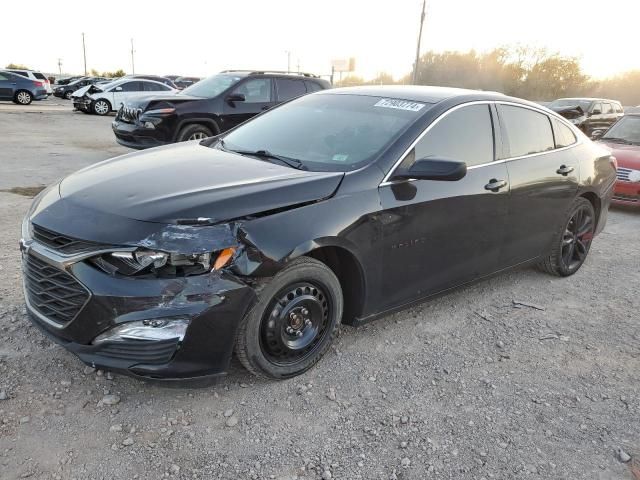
617 139
291 162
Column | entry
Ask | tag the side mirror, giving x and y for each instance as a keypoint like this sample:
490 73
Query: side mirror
434 169
596 134
235 97
118 89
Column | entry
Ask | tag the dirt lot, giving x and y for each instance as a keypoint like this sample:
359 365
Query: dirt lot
468 386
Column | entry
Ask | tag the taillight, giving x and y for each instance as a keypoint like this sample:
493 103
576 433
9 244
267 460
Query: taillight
39 84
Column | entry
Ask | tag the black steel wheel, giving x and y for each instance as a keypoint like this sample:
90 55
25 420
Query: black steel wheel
571 246
294 321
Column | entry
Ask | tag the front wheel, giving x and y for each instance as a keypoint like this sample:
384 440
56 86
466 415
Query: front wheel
571 244
67 95
194 132
293 323
101 107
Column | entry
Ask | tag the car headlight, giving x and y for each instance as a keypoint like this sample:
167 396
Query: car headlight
152 263
152 329
634 176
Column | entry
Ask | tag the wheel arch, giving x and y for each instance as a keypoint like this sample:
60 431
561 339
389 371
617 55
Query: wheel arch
348 269
595 201
207 122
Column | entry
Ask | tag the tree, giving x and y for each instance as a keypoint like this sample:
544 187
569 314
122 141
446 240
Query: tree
17 66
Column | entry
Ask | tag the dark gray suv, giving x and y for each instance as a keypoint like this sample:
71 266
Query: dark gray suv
589 114
19 89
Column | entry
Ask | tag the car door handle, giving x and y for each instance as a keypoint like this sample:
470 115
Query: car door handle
564 170
495 185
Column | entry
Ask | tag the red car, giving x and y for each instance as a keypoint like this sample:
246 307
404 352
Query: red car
623 139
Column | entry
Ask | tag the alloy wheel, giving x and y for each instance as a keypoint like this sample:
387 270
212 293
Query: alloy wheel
101 107
24 98
197 136
294 323
577 238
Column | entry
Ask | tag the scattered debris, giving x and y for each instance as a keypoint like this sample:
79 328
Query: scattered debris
518 303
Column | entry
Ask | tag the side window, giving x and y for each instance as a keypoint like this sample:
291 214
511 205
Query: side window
257 90
465 135
4 76
288 88
528 132
618 108
597 108
312 86
607 108
563 134
154 87
132 87
39 76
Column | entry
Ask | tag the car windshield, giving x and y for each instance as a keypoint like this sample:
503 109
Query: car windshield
210 87
571 102
328 132
626 129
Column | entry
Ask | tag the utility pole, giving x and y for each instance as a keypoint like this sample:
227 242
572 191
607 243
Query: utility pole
288 52
415 65
60 66
133 65
84 53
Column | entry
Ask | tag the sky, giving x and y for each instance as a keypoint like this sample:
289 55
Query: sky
201 37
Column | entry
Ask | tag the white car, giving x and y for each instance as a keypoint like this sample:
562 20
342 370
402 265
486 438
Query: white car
102 99
33 75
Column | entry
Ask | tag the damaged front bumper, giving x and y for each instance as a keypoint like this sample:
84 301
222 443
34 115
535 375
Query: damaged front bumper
77 305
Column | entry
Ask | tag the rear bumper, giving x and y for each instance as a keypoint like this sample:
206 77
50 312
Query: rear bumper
626 193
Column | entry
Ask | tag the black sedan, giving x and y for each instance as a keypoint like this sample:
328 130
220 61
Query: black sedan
337 207
65 91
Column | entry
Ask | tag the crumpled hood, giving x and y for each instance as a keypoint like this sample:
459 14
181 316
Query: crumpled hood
569 112
189 181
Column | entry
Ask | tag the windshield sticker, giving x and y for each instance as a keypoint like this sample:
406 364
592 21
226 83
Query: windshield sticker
340 157
399 104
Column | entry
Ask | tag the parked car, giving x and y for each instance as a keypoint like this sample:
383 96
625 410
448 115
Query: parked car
33 75
589 114
68 80
184 82
623 140
102 99
209 107
167 81
65 91
20 89
340 206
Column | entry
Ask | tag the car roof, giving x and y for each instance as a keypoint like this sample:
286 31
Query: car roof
417 93
589 99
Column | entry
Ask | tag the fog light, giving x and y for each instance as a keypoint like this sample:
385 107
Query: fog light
149 125
152 329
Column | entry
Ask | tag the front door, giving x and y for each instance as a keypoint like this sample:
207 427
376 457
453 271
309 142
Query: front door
7 86
439 234
258 97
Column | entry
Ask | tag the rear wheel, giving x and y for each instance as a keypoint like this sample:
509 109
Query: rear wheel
101 107
194 132
68 94
571 244
293 323
23 97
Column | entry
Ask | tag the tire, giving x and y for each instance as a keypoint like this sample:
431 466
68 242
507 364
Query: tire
101 107
572 242
67 95
293 323
194 131
23 97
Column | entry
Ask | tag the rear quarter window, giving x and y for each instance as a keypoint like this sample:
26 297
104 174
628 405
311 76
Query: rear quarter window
312 86
563 135
528 132
39 76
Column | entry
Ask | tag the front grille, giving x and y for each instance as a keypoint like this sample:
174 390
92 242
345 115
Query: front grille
62 243
140 351
129 114
626 198
53 292
623 174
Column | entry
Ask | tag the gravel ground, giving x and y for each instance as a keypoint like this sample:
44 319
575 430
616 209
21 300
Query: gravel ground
523 375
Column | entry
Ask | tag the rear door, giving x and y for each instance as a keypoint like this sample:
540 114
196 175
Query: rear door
258 96
288 88
543 172
7 86
438 234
